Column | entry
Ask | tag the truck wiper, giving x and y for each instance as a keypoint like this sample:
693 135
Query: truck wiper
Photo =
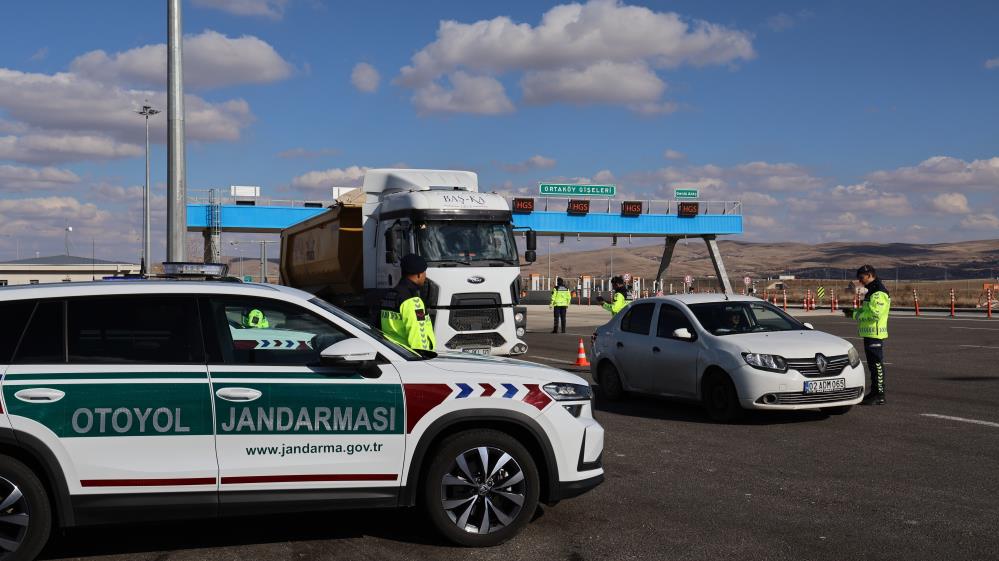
506 261
459 261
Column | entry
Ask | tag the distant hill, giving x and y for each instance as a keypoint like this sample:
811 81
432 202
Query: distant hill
962 260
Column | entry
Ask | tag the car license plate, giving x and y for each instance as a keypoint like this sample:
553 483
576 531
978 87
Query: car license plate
822 386
477 351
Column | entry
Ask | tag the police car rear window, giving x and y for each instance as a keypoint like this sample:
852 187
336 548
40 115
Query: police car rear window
15 318
135 330
44 342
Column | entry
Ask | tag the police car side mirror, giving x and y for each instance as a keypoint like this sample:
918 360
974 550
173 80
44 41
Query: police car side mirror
349 352
808 326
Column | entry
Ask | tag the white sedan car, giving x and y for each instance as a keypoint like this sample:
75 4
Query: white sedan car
730 354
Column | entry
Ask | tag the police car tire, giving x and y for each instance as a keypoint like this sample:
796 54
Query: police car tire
443 457
609 382
720 399
36 503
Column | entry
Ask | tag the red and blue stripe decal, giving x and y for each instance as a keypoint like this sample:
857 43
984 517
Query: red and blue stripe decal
421 398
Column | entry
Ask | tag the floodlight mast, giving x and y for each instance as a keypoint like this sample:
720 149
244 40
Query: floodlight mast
177 168
146 111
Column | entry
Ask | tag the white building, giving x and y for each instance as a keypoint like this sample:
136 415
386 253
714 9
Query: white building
60 268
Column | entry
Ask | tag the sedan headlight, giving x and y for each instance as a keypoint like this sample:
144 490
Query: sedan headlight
568 392
772 363
854 357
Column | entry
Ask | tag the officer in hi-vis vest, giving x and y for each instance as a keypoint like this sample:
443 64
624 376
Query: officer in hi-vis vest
404 316
872 325
560 303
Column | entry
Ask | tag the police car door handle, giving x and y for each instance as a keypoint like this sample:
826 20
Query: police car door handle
40 395
238 394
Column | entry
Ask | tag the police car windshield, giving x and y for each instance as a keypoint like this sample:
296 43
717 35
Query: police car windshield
374 333
466 242
731 318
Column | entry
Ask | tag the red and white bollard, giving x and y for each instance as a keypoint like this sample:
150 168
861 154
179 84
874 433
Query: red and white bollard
915 300
785 299
856 300
832 303
989 309
808 296
952 303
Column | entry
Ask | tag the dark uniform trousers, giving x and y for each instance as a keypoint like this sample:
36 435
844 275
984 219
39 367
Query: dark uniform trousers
559 317
875 351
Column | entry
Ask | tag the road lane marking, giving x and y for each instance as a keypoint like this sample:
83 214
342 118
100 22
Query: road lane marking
961 419
976 328
550 359
978 347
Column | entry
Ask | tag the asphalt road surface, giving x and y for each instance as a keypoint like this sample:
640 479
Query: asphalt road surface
915 479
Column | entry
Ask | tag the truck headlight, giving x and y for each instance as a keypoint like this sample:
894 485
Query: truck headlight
773 363
518 317
854 357
568 392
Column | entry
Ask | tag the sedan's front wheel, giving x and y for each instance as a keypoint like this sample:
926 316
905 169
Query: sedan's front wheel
720 399
481 489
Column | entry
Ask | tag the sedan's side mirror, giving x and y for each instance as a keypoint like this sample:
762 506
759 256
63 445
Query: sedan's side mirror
348 352
683 333
808 325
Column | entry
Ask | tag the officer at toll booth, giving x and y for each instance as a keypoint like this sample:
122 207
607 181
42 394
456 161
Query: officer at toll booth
404 317
560 303
620 297
872 325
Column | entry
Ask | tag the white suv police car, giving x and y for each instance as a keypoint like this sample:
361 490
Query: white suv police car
151 400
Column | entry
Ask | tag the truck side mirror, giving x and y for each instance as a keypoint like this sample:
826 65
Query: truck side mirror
530 256
532 242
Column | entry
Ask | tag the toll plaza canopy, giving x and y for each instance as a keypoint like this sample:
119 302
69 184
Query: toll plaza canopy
548 216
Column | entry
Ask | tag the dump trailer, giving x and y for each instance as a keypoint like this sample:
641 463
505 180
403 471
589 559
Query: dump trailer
349 255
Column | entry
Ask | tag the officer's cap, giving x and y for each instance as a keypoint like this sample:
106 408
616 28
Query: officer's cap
413 264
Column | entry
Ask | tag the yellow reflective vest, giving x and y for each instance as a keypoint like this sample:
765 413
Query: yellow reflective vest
616 305
405 320
872 316
561 297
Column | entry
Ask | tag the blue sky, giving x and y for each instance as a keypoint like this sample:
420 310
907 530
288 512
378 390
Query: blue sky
853 121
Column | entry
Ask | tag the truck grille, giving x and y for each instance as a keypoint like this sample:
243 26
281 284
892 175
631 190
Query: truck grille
475 319
808 367
798 398
471 340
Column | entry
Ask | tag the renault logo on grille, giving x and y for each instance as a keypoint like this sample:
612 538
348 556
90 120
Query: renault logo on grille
822 362
476 280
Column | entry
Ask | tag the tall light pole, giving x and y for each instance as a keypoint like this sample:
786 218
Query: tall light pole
177 167
69 229
146 111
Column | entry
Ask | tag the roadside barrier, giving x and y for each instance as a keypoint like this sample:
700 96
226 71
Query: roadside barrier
833 303
808 298
785 299
989 312
581 355
915 300
952 303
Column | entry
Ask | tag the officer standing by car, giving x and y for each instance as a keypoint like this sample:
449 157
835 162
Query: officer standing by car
404 316
620 299
872 325
560 303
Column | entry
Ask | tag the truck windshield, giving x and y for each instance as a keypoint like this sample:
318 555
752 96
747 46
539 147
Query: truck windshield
466 242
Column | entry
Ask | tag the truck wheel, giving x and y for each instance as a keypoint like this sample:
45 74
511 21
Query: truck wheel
720 399
481 488
25 512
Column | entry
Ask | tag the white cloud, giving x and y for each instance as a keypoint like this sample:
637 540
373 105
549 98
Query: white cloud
603 176
603 82
68 102
574 48
306 153
865 197
992 63
480 95
365 77
18 178
335 177
943 171
784 21
40 54
674 155
984 221
47 217
49 148
951 203
211 60
271 9
534 162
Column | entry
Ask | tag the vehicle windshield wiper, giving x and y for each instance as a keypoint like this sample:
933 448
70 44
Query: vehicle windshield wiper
501 260
459 261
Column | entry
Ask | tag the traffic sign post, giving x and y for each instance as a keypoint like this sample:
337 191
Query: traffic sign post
569 189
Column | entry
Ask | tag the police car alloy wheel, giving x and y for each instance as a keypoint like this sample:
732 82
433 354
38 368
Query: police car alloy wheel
482 489
25 513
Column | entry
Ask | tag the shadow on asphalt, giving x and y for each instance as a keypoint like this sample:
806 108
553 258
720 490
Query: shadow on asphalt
400 525
651 407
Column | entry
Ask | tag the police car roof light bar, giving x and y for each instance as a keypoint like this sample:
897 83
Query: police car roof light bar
192 269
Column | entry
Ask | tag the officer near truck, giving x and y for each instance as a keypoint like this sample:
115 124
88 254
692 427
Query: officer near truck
872 325
404 316
560 303
620 299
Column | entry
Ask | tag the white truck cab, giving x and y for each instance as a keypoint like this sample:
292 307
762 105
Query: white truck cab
151 400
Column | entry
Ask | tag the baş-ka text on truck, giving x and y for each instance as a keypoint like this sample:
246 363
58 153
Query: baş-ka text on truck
350 254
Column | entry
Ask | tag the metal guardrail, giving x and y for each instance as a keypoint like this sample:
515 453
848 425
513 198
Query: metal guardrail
203 197
649 206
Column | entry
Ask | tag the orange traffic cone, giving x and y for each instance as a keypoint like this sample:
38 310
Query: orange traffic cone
581 355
